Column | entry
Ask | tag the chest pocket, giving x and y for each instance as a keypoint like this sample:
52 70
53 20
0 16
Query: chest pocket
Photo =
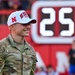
14 59
28 61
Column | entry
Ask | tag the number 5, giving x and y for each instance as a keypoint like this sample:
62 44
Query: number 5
64 21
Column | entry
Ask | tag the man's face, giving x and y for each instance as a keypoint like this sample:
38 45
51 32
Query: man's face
50 69
21 29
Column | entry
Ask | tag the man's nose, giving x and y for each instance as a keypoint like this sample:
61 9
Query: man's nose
28 26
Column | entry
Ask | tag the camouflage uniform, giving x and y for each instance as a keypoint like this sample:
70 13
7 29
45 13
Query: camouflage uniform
16 60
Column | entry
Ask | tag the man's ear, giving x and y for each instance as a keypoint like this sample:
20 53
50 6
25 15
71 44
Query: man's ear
12 27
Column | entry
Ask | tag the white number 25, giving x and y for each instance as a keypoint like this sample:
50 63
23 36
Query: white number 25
61 19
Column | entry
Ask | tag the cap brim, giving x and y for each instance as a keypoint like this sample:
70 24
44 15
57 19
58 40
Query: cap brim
27 20
33 21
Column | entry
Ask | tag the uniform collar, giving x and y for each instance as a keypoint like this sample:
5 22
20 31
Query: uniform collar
13 43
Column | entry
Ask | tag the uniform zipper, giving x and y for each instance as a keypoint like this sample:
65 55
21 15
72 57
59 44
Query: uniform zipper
22 64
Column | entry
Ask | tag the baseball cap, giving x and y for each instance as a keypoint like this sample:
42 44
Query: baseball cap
19 17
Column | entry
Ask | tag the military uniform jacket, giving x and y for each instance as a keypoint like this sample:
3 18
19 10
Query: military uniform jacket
15 60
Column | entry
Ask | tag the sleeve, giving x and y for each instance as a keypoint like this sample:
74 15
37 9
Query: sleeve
34 60
33 53
33 56
33 65
1 58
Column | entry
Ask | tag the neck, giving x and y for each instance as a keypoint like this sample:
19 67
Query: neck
17 38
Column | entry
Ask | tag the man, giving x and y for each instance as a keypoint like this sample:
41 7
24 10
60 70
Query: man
41 71
72 59
17 57
51 71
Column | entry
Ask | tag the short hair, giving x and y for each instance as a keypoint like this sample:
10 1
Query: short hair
49 66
